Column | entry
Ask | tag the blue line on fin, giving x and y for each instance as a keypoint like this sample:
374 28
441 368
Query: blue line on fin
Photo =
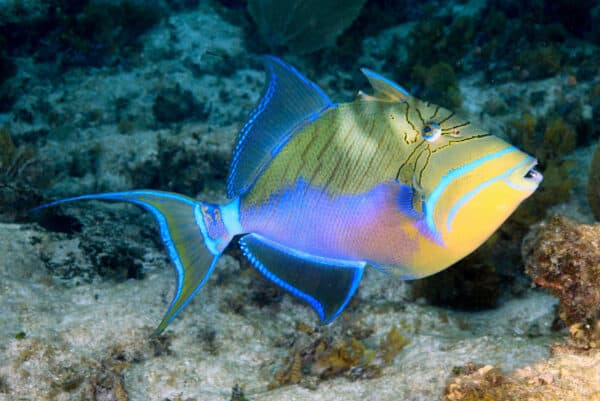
326 284
288 102
385 89
184 238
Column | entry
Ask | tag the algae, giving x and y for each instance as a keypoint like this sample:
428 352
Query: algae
438 83
549 140
321 357
21 177
593 189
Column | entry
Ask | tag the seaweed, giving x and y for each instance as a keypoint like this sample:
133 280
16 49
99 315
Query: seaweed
438 83
549 141
593 189
539 62
21 176
319 356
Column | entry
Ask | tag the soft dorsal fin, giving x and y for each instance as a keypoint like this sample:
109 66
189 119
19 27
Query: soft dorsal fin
326 284
289 100
384 88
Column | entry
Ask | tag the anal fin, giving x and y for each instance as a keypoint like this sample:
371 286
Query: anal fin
326 284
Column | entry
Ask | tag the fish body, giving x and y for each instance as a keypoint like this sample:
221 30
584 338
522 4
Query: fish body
319 191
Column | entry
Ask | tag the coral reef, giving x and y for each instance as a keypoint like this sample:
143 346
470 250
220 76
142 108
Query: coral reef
562 377
97 32
174 104
191 162
302 26
594 184
564 257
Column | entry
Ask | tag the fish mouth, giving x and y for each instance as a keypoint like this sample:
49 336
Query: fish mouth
524 176
532 174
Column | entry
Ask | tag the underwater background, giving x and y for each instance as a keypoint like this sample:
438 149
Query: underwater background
109 95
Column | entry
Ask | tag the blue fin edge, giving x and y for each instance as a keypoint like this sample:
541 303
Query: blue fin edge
126 196
333 263
259 109
391 83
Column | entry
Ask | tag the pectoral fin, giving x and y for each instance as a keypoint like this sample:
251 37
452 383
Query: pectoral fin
326 284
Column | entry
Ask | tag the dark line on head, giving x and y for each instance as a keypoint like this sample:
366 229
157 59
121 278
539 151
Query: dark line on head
453 141
437 109
447 118
408 120
456 126
424 166
420 115
408 159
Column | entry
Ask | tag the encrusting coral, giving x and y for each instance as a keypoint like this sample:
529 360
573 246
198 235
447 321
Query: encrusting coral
564 256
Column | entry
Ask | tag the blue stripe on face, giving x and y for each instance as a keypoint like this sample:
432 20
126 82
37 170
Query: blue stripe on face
469 195
452 175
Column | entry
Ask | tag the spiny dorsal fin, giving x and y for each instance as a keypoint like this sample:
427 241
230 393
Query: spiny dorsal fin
289 101
384 88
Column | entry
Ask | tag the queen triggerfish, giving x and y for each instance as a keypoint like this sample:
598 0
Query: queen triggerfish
320 190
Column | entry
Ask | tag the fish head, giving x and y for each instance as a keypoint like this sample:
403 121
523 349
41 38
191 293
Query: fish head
467 180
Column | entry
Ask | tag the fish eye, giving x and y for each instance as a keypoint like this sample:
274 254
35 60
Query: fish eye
431 131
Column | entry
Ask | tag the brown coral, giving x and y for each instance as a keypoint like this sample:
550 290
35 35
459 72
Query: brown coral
564 256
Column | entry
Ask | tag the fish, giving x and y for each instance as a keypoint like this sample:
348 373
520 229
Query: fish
320 191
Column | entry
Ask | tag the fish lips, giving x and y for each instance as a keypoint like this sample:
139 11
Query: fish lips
525 176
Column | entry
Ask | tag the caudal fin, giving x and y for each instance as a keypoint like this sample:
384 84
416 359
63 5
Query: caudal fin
194 233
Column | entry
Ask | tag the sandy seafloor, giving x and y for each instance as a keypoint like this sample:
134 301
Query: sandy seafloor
74 324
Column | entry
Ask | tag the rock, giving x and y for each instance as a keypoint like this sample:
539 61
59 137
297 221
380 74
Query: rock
174 104
564 257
